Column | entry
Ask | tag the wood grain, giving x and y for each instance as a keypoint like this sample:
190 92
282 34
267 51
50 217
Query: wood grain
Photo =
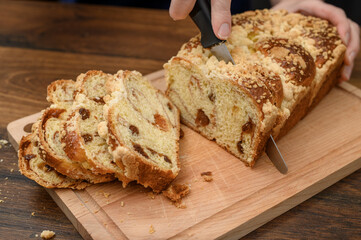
39 44
246 204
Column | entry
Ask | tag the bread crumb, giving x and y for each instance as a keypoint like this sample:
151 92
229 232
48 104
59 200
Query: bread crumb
176 192
33 214
128 213
122 204
36 235
96 211
3 142
180 204
151 229
47 234
1 201
121 220
6 178
12 170
1 160
106 195
207 176
151 195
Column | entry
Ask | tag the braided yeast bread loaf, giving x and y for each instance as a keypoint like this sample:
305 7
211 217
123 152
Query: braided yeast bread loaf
285 63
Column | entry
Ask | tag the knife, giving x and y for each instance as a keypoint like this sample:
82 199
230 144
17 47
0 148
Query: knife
201 16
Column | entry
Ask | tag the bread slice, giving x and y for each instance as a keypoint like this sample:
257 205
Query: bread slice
82 141
142 130
34 167
51 129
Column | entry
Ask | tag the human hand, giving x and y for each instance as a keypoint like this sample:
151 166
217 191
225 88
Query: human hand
349 31
221 14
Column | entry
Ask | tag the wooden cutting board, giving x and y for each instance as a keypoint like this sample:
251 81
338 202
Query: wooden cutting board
321 149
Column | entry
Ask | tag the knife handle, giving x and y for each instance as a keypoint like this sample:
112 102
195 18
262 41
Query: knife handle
201 16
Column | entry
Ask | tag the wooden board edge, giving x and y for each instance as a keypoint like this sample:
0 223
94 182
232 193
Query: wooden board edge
13 128
65 199
61 202
348 87
234 212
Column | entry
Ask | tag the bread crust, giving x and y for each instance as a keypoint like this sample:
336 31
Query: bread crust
307 104
28 152
134 165
61 163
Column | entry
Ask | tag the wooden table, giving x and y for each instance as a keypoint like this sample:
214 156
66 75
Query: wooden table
41 42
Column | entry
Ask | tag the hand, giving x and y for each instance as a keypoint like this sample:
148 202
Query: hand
348 30
221 14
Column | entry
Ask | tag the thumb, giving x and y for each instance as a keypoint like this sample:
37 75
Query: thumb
221 18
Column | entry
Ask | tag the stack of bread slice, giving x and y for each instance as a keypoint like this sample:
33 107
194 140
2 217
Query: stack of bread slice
137 138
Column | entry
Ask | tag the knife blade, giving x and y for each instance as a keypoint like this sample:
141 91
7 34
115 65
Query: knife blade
201 15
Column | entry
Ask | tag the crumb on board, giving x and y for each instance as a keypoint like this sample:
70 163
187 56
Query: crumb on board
175 193
12 170
106 195
3 142
96 211
180 204
1 160
151 195
1 201
122 204
33 214
207 176
121 220
36 235
47 234
151 229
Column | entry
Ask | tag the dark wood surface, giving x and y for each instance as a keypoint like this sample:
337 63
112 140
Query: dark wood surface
41 42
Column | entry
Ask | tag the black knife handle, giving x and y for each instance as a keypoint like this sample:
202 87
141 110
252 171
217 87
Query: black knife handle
201 16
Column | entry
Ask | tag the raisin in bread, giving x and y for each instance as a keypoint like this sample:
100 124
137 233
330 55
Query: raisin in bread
82 141
285 63
34 167
142 130
51 129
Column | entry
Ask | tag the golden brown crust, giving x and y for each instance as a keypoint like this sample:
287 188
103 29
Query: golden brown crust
304 107
297 62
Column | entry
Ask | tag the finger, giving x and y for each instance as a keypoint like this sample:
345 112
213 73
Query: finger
179 9
327 11
354 45
221 18
346 72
